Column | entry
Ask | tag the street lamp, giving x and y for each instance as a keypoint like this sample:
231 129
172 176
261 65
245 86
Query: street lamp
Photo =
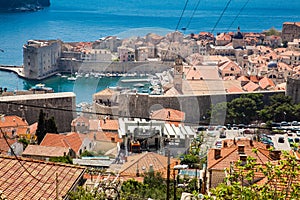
178 168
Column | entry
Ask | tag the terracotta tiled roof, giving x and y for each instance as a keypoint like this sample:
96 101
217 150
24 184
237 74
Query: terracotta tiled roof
108 93
94 124
33 128
230 154
109 124
143 161
284 67
192 73
80 120
228 66
168 114
38 150
9 123
16 183
4 148
243 78
250 87
254 79
234 89
71 140
105 136
265 82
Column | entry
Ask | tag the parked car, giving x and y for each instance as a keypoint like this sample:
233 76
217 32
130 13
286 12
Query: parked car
295 123
284 123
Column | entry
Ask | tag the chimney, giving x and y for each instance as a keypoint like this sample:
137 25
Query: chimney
241 149
251 143
275 154
243 157
217 153
225 144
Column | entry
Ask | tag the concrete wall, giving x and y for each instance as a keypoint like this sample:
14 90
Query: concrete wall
58 105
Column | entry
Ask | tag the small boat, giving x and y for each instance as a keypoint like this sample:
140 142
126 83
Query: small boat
64 76
41 87
58 74
139 85
72 78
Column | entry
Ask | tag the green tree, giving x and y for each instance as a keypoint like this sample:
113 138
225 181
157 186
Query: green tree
50 125
85 194
272 31
87 154
62 159
218 113
40 132
242 110
280 108
45 126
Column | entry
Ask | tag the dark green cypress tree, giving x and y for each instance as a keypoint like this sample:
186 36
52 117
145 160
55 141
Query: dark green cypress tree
40 132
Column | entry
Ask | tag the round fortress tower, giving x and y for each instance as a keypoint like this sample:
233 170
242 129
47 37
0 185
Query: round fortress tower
293 88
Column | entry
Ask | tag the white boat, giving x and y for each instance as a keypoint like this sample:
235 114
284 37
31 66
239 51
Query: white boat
87 75
64 76
138 85
72 78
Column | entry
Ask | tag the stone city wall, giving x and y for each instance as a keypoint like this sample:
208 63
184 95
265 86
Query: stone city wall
112 67
195 107
29 106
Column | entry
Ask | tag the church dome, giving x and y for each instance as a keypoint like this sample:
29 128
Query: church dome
238 34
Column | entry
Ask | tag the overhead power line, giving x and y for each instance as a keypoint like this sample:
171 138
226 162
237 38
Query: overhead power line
241 10
186 3
192 16
19 161
220 17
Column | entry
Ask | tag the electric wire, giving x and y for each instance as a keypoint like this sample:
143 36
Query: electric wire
19 161
220 17
191 123
192 16
241 10
180 18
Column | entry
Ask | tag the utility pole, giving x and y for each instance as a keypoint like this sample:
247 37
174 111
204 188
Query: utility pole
168 176
56 183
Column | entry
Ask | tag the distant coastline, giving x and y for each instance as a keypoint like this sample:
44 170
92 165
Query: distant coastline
23 5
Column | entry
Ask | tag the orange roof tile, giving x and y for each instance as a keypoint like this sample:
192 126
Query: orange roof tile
254 79
143 161
38 150
250 87
109 124
168 114
4 148
243 78
234 89
230 154
14 123
17 183
265 82
71 140
192 73
80 119
284 67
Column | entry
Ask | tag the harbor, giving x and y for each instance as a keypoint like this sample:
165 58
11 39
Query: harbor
83 85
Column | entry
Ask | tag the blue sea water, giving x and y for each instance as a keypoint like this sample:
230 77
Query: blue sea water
89 20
